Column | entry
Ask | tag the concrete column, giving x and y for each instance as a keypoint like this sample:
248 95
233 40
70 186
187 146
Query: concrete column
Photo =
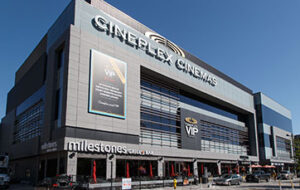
111 166
292 150
219 168
275 143
45 170
36 172
72 163
250 168
160 167
195 165
57 164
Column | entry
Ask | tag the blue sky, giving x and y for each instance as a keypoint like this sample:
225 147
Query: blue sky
255 42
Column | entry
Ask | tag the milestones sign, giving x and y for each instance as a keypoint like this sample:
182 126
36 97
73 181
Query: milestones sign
107 85
99 147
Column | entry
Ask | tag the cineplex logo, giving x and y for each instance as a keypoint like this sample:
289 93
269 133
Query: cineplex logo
85 146
104 25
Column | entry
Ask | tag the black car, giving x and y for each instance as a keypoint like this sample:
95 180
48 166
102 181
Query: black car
285 175
258 176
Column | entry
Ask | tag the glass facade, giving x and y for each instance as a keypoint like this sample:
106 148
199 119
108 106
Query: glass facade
273 118
136 169
85 168
267 140
59 86
199 103
184 169
28 124
267 144
283 148
34 98
160 121
159 116
217 138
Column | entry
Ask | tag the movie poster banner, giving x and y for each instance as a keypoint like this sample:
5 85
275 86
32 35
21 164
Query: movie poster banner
107 85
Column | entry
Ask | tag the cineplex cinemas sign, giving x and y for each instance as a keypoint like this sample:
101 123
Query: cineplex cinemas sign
113 30
85 146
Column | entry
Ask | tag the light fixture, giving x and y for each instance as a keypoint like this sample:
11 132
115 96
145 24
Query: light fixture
111 157
72 155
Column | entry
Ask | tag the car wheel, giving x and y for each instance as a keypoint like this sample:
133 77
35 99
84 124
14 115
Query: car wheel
238 183
230 183
267 179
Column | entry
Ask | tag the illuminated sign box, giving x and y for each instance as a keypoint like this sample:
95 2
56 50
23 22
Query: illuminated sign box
107 89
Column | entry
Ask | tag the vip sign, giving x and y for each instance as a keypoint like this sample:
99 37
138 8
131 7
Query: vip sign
191 126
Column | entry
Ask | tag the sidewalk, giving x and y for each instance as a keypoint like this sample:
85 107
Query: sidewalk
193 187
286 184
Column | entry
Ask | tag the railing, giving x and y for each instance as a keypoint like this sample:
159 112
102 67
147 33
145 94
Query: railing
137 184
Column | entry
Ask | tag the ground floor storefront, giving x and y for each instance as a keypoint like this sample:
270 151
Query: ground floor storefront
103 167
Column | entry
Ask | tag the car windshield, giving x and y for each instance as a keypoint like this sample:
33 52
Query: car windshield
3 170
226 176
284 172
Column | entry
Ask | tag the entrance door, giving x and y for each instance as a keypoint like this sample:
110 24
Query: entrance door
51 168
42 170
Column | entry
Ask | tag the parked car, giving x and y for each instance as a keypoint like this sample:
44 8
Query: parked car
4 178
4 171
60 182
229 179
257 176
285 175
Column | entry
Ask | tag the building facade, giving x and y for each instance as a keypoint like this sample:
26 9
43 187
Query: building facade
102 87
275 133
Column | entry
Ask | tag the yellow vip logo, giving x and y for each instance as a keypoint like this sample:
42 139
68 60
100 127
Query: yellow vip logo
191 126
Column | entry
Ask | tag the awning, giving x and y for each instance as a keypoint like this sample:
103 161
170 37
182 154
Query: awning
255 166
268 166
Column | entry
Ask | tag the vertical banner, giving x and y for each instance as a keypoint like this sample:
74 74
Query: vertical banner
190 129
107 85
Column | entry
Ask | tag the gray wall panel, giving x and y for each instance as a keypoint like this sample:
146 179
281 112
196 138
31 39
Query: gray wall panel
28 84
223 91
61 24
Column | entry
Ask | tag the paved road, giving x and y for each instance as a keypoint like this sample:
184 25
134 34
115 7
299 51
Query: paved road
285 184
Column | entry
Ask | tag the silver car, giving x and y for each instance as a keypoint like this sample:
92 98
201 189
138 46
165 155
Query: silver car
229 179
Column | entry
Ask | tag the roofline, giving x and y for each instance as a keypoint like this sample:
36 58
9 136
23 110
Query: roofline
128 20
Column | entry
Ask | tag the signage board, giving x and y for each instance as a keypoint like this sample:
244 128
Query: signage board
107 85
99 147
49 146
190 130
126 183
107 26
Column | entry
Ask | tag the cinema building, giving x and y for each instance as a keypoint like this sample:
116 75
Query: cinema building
102 87
274 124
